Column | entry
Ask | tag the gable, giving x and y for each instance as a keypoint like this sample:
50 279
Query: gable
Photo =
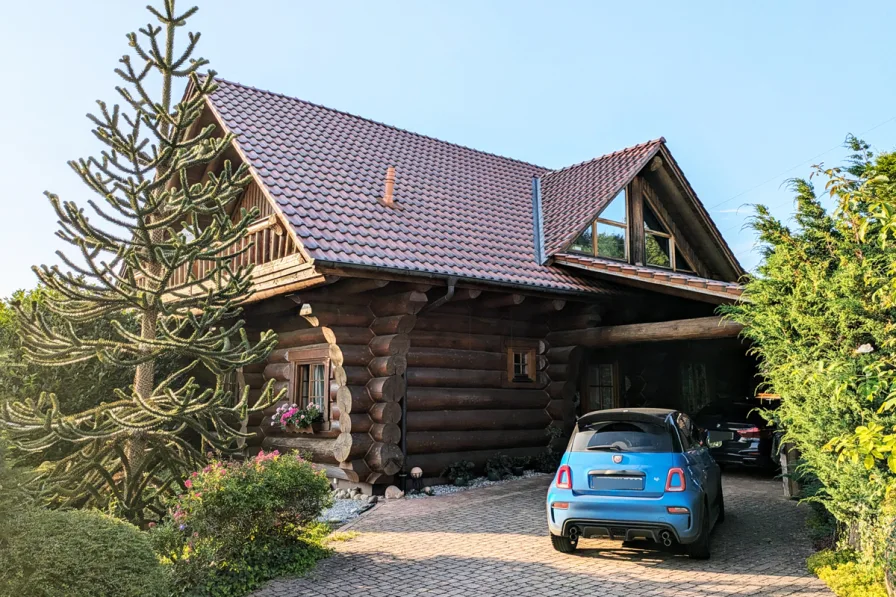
663 224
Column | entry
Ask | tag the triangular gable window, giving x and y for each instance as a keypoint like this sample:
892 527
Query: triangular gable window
660 249
607 236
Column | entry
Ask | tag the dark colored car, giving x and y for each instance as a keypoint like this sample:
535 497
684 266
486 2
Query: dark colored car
738 435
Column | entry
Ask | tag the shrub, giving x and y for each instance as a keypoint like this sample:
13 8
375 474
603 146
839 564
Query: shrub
548 460
240 524
519 463
847 575
459 472
498 467
76 553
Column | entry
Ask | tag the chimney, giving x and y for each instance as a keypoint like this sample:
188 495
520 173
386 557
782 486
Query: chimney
388 200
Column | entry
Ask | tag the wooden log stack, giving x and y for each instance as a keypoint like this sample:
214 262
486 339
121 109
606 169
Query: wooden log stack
368 447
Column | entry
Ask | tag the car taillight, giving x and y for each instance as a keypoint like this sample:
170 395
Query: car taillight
560 505
749 432
677 510
675 481
564 478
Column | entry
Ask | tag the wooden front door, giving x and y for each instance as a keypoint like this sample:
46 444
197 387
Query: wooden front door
601 387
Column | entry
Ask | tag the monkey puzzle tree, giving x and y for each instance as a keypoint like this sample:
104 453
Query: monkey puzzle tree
148 221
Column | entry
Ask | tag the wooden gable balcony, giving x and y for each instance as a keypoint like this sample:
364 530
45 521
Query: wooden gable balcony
279 264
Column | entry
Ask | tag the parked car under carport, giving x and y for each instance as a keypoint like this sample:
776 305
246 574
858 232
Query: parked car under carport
739 435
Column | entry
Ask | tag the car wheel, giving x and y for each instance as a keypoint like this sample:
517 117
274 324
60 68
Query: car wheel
564 544
699 549
721 517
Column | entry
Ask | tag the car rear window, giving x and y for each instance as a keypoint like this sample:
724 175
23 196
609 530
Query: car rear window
618 436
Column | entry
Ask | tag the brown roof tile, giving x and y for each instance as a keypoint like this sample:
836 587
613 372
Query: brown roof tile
458 211
573 196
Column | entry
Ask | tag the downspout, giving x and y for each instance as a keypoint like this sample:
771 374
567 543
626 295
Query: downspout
452 283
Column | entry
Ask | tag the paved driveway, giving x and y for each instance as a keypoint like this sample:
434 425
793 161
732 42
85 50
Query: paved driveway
493 541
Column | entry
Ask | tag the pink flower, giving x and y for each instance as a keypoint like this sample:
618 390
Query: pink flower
188 483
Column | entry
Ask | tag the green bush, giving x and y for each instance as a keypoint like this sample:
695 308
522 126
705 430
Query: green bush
76 553
847 575
819 317
498 467
242 523
460 472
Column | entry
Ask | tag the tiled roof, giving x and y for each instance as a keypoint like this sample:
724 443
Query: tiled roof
627 273
573 196
457 211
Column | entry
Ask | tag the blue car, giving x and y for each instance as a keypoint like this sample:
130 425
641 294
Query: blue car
637 473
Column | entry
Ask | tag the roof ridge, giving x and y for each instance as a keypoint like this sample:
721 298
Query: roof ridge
377 122
658 140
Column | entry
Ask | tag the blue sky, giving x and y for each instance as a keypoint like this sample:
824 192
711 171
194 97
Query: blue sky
743 92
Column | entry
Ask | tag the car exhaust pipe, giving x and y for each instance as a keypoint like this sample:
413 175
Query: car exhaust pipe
666 538
573 533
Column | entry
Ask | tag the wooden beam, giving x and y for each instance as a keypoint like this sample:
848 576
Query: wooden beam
504 300
636 217
551 306
701 328
358 285
466 294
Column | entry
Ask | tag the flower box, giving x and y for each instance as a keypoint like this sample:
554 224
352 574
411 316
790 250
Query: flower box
313 428
292 419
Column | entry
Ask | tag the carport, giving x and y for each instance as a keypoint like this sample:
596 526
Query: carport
685 375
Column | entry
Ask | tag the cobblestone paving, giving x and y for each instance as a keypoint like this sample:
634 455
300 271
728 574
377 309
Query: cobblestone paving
493 541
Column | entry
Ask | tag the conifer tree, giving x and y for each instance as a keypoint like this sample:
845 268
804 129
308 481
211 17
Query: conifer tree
147 221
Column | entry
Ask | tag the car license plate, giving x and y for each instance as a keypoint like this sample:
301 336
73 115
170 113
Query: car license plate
717 437
617 482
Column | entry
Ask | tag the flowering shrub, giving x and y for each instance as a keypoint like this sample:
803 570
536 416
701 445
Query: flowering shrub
291 414
239 524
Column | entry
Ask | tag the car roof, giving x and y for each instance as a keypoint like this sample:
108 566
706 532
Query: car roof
644 415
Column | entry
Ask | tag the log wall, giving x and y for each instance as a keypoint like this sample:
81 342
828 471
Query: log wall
302 333
461 404
450 366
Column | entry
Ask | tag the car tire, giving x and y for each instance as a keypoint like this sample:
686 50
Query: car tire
563 544
699 549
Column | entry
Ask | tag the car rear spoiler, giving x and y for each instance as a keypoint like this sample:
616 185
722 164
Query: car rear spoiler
624 416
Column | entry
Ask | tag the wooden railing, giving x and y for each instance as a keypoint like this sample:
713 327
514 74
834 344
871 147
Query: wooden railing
266 241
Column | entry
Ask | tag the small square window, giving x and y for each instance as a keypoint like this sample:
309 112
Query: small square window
521 365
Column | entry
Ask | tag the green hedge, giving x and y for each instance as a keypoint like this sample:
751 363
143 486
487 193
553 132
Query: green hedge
76 553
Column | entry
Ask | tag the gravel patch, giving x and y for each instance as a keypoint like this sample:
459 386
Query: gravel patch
475 483
344 510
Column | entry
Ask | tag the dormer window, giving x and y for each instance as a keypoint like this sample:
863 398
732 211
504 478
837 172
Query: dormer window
607 236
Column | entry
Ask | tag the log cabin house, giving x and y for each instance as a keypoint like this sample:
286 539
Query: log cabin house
440 303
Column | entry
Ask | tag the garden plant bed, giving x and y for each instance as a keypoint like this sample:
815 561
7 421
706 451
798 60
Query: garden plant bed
478 482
